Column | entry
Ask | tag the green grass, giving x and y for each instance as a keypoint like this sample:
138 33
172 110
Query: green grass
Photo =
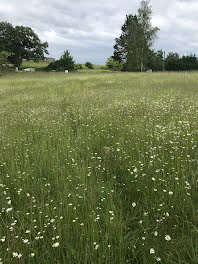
77 150
35 65
96 69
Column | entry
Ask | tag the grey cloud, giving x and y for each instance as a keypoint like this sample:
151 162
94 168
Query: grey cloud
88 28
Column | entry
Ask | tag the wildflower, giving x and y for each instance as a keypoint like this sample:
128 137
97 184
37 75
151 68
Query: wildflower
55 245
19 255
167 238
158 259
15 254
133 204
25 241
155 233
170 193
9 209
96 247
32 254
152 251
135 170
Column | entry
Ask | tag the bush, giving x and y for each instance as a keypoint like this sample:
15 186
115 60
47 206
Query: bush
65 62
104 68
78 67
113 65
4 60
89 65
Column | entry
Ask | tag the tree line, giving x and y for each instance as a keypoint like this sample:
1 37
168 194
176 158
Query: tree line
158 62
132 49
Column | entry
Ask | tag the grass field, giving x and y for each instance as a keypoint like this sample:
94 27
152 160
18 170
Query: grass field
35 65
99 168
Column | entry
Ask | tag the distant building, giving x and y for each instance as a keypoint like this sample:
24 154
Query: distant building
49 59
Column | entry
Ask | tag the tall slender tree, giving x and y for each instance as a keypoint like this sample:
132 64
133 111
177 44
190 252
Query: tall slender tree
149 32
138 35
126 48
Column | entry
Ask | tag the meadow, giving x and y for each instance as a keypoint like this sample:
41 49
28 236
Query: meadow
99 168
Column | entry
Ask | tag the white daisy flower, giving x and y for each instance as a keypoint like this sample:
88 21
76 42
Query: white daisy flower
167 238
152 251
55 245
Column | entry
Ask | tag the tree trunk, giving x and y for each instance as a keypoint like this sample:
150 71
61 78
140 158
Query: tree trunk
142 66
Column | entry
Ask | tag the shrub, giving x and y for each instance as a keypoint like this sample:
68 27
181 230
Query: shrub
89 65
65 62
78 67
4 60
113 65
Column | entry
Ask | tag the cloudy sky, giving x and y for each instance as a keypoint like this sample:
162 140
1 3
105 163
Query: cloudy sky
88 28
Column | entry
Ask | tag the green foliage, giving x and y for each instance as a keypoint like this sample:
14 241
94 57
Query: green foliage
174 62
65 62
4 58
138 35
7 36
148 34
113 64
22 42
155 60
89 65
78 67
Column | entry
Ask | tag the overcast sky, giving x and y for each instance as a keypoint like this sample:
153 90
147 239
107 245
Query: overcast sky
87 28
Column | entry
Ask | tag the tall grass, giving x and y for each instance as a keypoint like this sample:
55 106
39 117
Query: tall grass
99 169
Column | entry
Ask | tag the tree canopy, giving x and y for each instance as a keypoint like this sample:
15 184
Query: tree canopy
89 65
133 45
4 60
22 42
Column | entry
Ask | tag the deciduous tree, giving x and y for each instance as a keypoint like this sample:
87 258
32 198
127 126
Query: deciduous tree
22 41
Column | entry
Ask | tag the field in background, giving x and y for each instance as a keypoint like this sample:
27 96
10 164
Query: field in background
99 168
35 65
42 64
